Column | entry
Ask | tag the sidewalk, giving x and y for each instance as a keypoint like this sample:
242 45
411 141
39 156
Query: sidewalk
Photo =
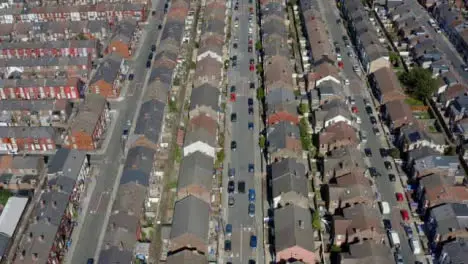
90 184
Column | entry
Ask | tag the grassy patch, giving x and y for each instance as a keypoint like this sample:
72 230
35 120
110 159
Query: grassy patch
423 115
432 129
4 196
414 101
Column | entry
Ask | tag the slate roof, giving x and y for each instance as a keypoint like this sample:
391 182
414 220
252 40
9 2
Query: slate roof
293 228
174 30
191 216
456 251
186 257
199 134
150 120
130 198
196 169
277 135
108 69
115 255
279 95
288 175
88 114
450 217
138 165
368 252
205 95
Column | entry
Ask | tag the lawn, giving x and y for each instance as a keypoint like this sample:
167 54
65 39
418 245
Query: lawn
4 195
413 102
423 115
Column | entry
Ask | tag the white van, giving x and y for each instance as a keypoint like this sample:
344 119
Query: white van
363 135
394 238
415 246
384 207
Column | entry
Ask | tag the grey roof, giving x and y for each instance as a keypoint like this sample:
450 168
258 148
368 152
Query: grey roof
34 105
328 88
273 8
108 69
437 161
138 165
67 163
187 257
368 252
205 95
450 217
293 227
40 234
122 230
213 26
280 95
278 133
125 30
456 251
150 120
115 255
161 73
199 134
419 153
288 175
130 198
196 169
275 45
290 107
4 243
174 30
11 215
191 216
27 162
89 113
28 132
275 26
331 110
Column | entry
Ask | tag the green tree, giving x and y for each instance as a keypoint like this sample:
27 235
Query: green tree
450 151
219 157
259 68
335 249
193 65
4 196
419 82
395 153
303 108
260 93
306 139
394 59
262 141
316 221
258 45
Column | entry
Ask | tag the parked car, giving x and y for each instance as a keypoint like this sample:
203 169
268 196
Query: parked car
233 145
387 224
253 241
148 64
368 152
252 85
404 215
251 167
392 177
251 125
409 231
231 201
231 187
251 195
251 110
399 197
376 131
251 210
388 165
369 110
153 48
373 172
383 152
227 245
252 67
354 109
241 187
234 45
90 261
228 229
373 120
250 49
233 117
250 101
232 172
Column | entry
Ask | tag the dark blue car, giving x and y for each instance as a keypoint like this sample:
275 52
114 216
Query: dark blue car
251 167
251 195
253 241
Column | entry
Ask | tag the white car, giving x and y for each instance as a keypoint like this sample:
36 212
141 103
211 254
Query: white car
346 82
356 68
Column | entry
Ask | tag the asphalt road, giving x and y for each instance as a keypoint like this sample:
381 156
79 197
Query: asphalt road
112 159
385 187
247 151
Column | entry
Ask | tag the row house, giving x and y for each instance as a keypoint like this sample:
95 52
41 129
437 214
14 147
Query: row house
51 224
47 66
107 79
16 139
34 112
21 165
101 11
89 124
54 31
65 48
71 88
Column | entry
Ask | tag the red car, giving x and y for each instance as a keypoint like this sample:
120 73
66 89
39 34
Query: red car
404 215
252 67
399 197
233 97
341 64
354 109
